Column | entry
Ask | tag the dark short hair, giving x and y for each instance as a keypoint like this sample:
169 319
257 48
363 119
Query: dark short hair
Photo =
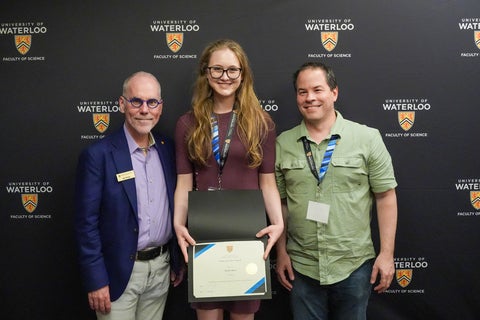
331 80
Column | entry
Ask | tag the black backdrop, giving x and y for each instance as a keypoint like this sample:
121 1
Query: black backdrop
409 68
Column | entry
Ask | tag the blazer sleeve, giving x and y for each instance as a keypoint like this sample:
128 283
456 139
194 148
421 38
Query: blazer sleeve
88 197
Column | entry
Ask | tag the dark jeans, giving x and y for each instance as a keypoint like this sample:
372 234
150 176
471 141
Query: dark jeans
345 300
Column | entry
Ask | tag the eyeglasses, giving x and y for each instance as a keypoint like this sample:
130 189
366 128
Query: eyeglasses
137 102
217 72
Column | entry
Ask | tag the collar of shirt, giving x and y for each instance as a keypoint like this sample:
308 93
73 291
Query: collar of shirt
132 145
336 129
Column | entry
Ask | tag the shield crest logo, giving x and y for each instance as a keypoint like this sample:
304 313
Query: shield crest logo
174 41
101 121
329 40
476 35
404 277
23 43
475 199
229 248
406 119
30 201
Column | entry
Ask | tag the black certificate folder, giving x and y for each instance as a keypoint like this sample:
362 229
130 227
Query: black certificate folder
227 264
225 214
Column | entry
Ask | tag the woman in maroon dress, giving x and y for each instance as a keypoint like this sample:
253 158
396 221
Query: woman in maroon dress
224 100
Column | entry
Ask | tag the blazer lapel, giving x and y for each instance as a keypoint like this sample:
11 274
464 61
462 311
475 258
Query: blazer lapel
123 163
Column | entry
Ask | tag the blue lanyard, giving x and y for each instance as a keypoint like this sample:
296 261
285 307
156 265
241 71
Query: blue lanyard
319 175
221 158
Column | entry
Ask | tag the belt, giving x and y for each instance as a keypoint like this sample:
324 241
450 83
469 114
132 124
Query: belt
150 253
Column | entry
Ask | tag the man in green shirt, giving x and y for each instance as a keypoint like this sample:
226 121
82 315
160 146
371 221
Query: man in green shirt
329 171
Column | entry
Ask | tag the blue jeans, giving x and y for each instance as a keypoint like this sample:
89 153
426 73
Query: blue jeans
347 299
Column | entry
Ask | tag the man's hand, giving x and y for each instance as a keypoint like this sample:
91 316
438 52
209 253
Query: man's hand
384 268
99 300
284 269
177 278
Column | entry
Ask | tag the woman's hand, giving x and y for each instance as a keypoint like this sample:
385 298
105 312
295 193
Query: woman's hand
273 232
184 240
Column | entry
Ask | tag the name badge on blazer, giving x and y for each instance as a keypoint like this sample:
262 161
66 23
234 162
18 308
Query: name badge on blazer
125 175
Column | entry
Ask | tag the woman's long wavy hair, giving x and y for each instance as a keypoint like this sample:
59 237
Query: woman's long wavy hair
252 123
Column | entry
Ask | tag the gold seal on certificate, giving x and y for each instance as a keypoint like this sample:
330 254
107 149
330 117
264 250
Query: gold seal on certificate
229 269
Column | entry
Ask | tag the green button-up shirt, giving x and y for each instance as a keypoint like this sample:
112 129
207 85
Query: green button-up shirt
360 166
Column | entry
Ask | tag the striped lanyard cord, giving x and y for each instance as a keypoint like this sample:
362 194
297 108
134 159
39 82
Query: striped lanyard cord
221 157
320 174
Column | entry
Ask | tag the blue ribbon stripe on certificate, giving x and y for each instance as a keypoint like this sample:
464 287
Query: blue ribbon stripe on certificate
203 250
256 286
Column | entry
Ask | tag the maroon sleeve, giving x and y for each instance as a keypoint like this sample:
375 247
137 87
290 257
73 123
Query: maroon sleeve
268 164
184 165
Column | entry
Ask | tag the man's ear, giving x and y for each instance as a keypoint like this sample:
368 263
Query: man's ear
121 104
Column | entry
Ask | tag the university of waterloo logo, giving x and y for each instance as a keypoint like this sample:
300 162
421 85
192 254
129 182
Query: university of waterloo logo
29 193
403 277
406 119
472 186
475 199
23 43
101 121
175 32
99 113
329 40
476 36
29 201
329 29
174 41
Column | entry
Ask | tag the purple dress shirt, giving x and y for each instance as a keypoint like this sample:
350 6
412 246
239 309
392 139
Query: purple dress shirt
152 203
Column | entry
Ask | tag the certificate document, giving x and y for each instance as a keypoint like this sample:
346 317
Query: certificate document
229 269
227 262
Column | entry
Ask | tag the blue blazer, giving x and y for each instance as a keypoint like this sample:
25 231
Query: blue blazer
106 220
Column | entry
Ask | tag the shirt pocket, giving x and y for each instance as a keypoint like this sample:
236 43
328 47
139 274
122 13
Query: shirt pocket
349 173
296 178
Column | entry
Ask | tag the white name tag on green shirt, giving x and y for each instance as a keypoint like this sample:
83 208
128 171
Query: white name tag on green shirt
318 211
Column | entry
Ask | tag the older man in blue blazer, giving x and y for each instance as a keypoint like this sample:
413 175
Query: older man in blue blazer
124 207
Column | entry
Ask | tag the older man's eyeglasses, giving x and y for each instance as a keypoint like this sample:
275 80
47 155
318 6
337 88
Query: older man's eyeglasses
217 72
137 102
